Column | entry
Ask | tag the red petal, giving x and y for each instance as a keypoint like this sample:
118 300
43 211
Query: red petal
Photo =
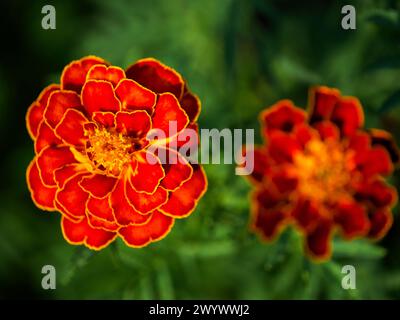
146 176
282 147
327 130
167 109
145 203
154 230
106 119
191 104
97 223
34 116
348 115
375 161
360 142
386 140
177 169
283 116
98 185
318 241
381 221
71 128
52 158
82 233
377 192
101 208
98 95
183 200
260 160
133 96
59 103
72 197
42 196
322 101
74 74
306 214
124 213
111 74
154 75
352 219
62 174
283 180
135 124
45 138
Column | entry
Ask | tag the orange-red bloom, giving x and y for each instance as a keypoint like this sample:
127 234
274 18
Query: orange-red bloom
322 172
92 158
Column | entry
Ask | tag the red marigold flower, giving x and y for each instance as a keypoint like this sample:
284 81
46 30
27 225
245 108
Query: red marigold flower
321 172
92 158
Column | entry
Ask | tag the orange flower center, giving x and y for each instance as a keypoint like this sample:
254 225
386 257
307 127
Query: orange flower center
109 150
323 169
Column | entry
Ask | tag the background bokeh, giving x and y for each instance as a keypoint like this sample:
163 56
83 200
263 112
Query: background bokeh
239 57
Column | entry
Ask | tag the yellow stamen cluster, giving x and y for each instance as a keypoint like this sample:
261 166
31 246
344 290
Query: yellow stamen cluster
110 150
323 169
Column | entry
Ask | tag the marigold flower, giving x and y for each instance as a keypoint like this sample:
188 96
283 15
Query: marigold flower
321 172
91 153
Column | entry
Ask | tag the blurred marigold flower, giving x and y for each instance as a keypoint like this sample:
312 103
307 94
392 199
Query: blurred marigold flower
321 171
91 161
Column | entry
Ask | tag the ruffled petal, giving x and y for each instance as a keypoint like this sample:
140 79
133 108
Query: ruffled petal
167 111
98 95
77 233
318 241
381 221
155 229
375 161
124 213
191 104
282 116
100 208
348 115
62 174
134 124
183 201
105 119
34 116
282 147
377 192
327 130
306 214
42 196
71 128
145 203
322 101
134 96
59 103
50 159
386 140
156 76
72 198
352 219
74 74
45 138
147 172
98 223
257 154
111 74
98 185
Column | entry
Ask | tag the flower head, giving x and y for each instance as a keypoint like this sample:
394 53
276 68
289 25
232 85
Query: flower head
321 171
92 159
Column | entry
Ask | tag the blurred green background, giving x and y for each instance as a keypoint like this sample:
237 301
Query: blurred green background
239 57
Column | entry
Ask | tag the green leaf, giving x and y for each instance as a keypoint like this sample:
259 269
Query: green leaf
385 18
358 249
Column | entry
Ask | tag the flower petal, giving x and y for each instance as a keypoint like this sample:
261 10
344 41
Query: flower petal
61 175
34 116
352 219
155 229
74 74
105 119
100 208
82 233
59 103
98 185
327 130
52 158
45 138
124 213
183 201
147 172
42 196
377 192
71 128
135 124
322 101
191 104
348 115
98 223
306 214
386 140
145 203
154 75
98 95
282 116
166 112
72 198
381 221
375 161
282 147
257 154
318 241
111 74
134 96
